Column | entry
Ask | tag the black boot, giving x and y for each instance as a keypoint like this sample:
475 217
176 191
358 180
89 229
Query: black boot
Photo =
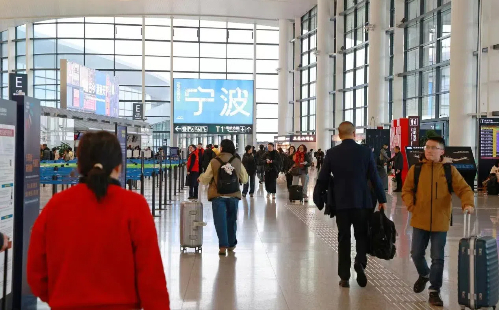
419 286
435 299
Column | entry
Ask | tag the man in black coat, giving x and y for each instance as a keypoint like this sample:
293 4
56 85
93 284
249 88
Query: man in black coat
352 165
398 167
207 156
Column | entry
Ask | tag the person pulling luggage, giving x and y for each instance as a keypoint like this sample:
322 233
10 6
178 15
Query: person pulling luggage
302 160
224 175
287 166
426 194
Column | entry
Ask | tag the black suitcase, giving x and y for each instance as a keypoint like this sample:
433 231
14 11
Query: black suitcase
477 270
295 193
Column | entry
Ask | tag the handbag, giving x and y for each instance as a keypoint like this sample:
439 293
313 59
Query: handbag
295 171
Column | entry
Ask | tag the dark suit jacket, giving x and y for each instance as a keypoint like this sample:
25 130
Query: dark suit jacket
398 161
352 165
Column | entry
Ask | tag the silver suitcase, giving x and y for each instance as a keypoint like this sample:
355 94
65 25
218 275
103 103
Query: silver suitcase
192 225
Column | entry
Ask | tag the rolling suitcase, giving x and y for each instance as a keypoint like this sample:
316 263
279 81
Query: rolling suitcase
477 270
192 225
295 193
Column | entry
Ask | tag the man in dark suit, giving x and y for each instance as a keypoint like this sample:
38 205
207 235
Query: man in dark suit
352 165
398 167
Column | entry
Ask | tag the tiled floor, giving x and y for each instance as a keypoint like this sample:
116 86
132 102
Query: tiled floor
286 259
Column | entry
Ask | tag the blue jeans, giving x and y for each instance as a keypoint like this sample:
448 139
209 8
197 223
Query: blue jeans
251 182
225 212
419 244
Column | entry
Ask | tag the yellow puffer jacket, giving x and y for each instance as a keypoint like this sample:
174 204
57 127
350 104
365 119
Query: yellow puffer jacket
432 210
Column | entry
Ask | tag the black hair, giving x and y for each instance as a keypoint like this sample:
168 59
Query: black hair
304 147
439 140
397 147
248 148
261 147
98 148
294 149
228 146
270 143
192 145
208 146
216 146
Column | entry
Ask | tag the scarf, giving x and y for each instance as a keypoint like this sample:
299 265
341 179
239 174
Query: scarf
299 159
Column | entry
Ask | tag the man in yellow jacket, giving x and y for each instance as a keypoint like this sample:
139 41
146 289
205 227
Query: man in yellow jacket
430 206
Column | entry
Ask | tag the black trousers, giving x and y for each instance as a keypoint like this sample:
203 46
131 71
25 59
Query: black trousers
270 181
359 219
289 179
399 181
193 184
319 164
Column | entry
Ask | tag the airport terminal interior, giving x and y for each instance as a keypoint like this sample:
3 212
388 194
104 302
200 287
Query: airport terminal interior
165 75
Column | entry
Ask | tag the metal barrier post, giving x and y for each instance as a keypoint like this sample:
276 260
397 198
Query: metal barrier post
54 185
170 183
153 196
160 187
175 180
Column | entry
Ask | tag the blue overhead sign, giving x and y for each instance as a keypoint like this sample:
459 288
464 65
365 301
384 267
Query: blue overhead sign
206 102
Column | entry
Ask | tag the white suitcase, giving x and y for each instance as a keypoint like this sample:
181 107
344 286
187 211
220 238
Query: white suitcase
191 225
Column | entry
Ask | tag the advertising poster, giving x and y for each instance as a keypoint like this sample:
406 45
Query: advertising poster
7 187
121 134
220 102
88 90
27 194
488 147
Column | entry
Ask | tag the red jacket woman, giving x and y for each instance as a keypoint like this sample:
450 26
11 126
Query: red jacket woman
95 244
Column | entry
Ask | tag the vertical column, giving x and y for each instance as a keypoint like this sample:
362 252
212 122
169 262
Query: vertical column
322 106
173 137
254 133
339 66
144 66
462 74
29 58
398 67
290 76
376 102
11 48
283 77
296 72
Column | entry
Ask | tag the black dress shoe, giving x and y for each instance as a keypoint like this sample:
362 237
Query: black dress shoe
435 299
344 283
419 285
361 278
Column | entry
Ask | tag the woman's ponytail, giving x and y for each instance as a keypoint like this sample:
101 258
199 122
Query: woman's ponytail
98 181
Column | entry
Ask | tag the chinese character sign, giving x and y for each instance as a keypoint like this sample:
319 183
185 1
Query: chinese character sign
224 102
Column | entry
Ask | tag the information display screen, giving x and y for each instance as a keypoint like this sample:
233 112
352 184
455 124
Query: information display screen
209 102
88 90
488 136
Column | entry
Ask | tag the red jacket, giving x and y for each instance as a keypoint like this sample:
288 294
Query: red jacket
104 255
193 163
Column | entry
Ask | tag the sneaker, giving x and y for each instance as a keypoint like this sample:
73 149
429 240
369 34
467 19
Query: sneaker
222 251
251 195
274 196
419 286
231 248
435 299
268 195
344 283
361 278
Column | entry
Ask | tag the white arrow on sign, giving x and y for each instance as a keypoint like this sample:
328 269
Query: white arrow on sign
178 128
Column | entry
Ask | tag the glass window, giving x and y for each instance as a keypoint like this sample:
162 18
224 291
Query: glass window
70 46
360 117
349 80
155 48
213 35
411 86
446 22
360 97
44 47
128 62
360 76
128 32
129 77
71 57
186 22
413 9
361 17
348 116
266 125
215 76
157 33
412 61
266 95
103 20
70 30
44 61
429 57
186 49
99 62
412 37
44 30
349 22
185 34
21 48
445 49
267 52
157 63
21 32
412 107
430 29
99 46
360 57
444 105
212 24
266 36
162 78
348 100
267 81
240 76
186 64
129 20
349 40
267 111
240 36
240 65
266 66
99 31
445 78
349 61
428 82
127 47
428 107
213 65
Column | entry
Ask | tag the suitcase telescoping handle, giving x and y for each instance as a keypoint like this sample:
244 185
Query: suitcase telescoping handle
467 226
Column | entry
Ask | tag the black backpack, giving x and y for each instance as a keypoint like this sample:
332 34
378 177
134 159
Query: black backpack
382 236
416 177
227 183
